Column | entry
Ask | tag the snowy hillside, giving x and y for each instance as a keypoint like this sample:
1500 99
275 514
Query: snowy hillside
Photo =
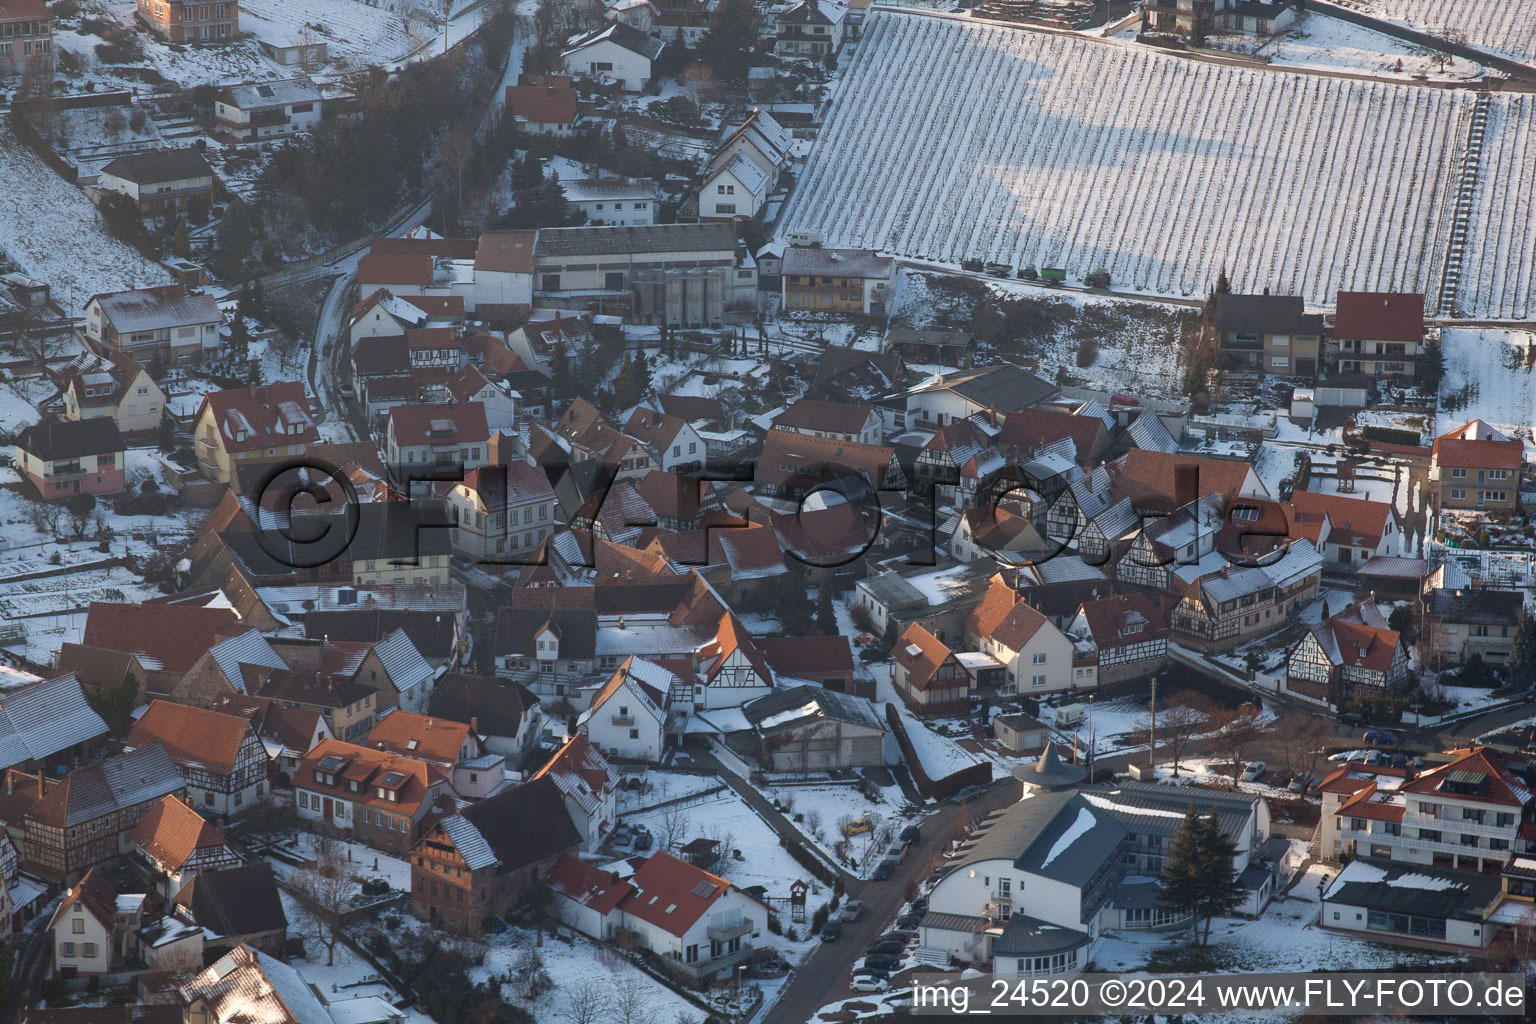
1503 26
52 232
1159 168
1502 283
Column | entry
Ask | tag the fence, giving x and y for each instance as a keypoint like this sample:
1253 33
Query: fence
936 789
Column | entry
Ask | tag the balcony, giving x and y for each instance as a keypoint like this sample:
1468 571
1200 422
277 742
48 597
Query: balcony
623 719
725 932
999 905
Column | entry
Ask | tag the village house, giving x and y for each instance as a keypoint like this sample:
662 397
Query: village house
379 798
505 714
927 674
1448 908
922 345
347 707
1458 623
174 842
734 188
614 53
435 440
699 925
845 421
1000 387
262 111
1378 334
1268 334
26 38
166 322
47 722
501 514
288 733
613 199
1037 657
455 749
191 21
223 760
482 862
627 717
1475 467
245 985
163 184
65 458
543 104
677 445
504 262
812 28
235 906
87 818
793 464
1345 529
590 787
382 314
820 280
155 644
114 387
824 660
251 423
1349 656
1128 634
1225 609
92 928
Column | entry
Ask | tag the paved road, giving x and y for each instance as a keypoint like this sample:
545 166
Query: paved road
824 975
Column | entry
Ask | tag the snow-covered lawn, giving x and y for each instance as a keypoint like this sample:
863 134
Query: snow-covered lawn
53 233
1332 45
1507 27
1487 368
1284 938
367 862
819 811
1112 159
940 755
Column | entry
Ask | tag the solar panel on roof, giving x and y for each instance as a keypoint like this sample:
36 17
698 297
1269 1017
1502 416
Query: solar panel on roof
1465 777
704 890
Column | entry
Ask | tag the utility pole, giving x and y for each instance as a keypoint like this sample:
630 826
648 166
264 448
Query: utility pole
1152 739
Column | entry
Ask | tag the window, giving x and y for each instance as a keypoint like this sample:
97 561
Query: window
68 949
1039 659
1279 361
551 283
1458 494
1458 474
725 190
1037 680
77 926
725 207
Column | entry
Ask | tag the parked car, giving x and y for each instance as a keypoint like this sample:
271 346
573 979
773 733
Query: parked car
881 960
851 911
911 919
831 932
1254 771
346 391
1399 760
968 793
911 834
1297 786
883 870
643 841
869 983
1380 738
891 946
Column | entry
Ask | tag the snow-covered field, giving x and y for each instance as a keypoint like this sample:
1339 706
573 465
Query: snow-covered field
1488 367
352 30
1507 27
1329 44
1498 274
53 233
1161 169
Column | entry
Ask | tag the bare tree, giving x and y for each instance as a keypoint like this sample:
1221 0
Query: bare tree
631 1003
1236 733
458 150
699 83
813 823
325 892
1310 733
588 1004
673 827
45 518
1176 724
530 979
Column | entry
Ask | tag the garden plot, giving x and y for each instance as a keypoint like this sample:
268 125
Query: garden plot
1487 378
1506 27
1112 155
820 812
51 231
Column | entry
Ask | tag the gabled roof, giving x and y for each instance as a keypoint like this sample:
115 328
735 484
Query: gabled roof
429 737
672 894
857 263
40 720
1476 445
654 428
261 417
790 707
235 901
410 778
1124 619
438 423
1482 606
1026 430
157 165
1019 627
993 608
581 772
163 636
1477 774
192 735
105 787
1380 316
1350 520
831 417
171 832
649 682
921 654
620 34
748 174
788 457
1000 386
497 705
1265 314
507 252
72 439
406 269
542 104
765 133
1174 480
588 885
1350 642
157 308
807 657
514 828
246 986
95 894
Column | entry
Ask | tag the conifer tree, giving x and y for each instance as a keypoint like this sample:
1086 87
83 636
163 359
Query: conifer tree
1178 888
1217 891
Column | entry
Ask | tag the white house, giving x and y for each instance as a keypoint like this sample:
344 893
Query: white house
813 28
424 439
675 442
617 53
590 787
502 513
700 925
761 140
736 188
1036 655
504 269
628 716
611 199
268 110
91 926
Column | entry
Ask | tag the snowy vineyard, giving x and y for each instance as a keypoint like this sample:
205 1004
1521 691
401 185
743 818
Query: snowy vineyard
1503 26
952 140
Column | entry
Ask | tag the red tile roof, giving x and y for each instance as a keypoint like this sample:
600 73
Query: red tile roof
172 832
370 767
1176 480
1476 445
1351 520
381 268
830 417
412 424
992 609
590 886
261 417
1124 619
192 735
172 636
429 737
1380 316
542 104
672 894
24 10
1026 430
923 662
1502 785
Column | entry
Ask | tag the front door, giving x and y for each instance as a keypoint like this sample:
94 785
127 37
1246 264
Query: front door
329 807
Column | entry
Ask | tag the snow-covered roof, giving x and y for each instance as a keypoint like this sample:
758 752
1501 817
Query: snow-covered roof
750 176
43 719
248 648
472 846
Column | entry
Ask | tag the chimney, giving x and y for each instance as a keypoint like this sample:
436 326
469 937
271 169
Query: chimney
474 724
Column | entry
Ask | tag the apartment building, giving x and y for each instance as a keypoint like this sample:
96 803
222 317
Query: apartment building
186 21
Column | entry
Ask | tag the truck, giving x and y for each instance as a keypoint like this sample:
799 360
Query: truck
1053 275
999 270
1098 279
973 266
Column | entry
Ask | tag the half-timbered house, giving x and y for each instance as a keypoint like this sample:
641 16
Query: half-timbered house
1128 634
928 675
220 755
175 842
1349 656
